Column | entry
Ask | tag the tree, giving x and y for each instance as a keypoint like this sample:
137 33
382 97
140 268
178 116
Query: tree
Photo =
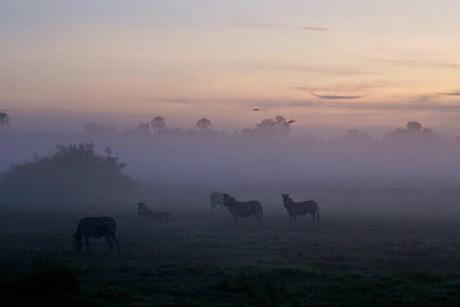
414 126
4 122
158 123
277 126
204 125
73 175
415 134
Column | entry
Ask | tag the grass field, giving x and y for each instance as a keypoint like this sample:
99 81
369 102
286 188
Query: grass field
204 259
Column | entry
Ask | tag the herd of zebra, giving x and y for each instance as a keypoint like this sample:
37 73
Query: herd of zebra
97 227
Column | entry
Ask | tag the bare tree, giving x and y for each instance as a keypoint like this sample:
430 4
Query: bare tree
204 125
158 123
4 122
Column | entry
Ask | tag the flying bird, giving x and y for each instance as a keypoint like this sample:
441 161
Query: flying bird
291 121
256 109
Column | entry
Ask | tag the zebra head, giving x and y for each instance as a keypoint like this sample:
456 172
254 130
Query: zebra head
78 242
287 200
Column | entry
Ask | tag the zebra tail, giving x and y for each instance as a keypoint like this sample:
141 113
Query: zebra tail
261 211
317 214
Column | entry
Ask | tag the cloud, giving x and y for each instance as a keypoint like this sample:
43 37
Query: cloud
316 29
337 97
418 106
269 26
350 87
420 64
258 25
320 69
454 93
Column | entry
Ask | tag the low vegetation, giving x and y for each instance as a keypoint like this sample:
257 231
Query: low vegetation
207 260
73 175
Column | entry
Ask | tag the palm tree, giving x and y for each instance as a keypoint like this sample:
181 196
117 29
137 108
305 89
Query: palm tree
204 125
158 123
4 122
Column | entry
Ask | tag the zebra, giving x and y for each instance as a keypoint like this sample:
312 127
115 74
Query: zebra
243 209
96 227
216 198
300 208
160 216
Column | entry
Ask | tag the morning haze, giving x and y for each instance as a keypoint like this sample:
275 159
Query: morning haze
229 153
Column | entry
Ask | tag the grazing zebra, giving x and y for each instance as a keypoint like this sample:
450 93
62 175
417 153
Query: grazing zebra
243 209
216 198
301 208
159 216
96 227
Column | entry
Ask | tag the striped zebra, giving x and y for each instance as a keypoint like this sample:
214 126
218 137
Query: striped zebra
160 216
243 209
215 199
96 227
301 208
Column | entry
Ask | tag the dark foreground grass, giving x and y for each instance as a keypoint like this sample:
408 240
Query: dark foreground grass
203 259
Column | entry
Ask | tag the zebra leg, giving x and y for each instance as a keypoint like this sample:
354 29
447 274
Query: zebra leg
117 243
109 243
313 217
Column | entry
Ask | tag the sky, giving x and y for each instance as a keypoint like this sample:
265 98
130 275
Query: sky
350 63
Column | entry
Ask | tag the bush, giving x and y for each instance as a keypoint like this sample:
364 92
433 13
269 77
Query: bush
74 174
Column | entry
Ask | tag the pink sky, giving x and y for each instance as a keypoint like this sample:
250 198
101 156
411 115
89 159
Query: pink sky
326 63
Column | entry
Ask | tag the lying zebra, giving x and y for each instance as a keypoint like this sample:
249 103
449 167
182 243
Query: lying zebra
301 208
216 198
159 216
243 209
96 227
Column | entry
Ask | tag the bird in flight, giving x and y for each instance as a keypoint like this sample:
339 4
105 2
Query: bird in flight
291 121
256 109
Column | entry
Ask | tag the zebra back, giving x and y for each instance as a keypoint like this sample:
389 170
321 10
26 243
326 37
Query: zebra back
96 226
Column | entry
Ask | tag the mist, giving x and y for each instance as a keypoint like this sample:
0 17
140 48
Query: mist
411 170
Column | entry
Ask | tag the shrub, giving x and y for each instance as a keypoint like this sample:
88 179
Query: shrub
74 174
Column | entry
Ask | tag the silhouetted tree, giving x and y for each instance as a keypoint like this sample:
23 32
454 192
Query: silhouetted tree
414 126
277 126
415 134
158 123
204 125
4 122
74 174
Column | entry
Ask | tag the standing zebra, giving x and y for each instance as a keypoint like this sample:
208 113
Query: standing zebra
96 227
216 198
243 209
301 208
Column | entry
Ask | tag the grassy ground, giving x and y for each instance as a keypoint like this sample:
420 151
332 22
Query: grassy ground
204 259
